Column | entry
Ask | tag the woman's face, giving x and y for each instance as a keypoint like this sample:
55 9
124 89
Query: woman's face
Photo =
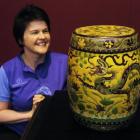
36 38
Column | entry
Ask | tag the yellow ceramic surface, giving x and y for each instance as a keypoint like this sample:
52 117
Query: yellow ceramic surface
104 75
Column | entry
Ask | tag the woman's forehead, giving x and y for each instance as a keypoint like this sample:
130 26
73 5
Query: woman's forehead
36 24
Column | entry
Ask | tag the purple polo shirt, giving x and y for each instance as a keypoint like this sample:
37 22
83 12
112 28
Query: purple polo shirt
19 83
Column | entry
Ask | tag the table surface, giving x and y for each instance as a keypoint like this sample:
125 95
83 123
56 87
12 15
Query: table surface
60 124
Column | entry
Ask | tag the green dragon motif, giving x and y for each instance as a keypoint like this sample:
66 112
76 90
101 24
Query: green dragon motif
100 86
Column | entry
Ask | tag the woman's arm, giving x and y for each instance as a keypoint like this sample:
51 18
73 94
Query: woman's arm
10 116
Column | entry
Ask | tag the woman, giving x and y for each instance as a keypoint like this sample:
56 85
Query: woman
30 75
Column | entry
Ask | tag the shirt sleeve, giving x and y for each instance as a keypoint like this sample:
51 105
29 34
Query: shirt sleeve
4 86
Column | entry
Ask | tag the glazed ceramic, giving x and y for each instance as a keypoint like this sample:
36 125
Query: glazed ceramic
104 76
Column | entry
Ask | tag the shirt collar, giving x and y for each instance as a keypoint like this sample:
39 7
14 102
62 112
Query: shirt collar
26 68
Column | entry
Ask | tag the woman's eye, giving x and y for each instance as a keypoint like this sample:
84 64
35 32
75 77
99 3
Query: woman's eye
46 31
34 32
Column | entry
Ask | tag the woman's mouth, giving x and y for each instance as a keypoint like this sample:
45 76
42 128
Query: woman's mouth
41 42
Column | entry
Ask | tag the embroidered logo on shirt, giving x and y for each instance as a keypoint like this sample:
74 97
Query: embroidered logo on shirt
44 90
19 82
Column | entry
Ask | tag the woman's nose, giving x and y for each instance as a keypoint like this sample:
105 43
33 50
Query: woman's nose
41 35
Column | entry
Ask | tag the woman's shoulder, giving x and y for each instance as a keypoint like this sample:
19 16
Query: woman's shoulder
13 62
58 55
57 60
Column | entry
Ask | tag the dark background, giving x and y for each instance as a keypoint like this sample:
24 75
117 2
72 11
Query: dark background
65 16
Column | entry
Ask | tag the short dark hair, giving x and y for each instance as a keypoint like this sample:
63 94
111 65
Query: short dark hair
28 14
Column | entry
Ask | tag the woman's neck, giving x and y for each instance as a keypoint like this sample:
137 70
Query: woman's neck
33 60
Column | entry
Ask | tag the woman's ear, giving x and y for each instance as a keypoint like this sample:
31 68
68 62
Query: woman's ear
20 42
